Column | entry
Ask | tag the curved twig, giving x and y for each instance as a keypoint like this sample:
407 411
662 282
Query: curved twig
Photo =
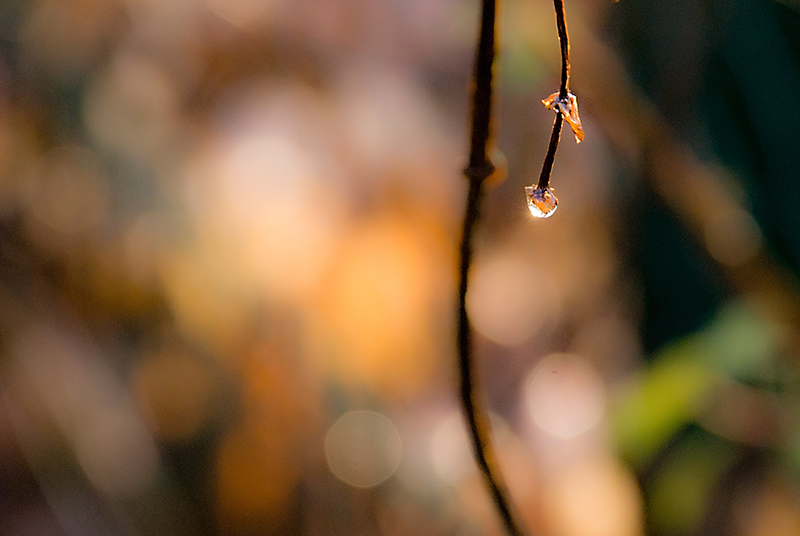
477 171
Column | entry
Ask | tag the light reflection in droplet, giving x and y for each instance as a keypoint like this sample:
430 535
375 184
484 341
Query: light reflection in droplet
565 396
363 448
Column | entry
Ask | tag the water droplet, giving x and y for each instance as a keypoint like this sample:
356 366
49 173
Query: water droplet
542 202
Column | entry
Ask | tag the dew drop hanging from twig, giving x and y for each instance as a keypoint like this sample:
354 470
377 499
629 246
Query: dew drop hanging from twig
542 202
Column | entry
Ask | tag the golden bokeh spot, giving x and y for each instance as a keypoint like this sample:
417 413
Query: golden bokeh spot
597 497
379 309
205 297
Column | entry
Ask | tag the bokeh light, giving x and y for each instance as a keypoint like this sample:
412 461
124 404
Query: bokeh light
177 394
565 396
363 448
510 300
596 497
733 237
450 448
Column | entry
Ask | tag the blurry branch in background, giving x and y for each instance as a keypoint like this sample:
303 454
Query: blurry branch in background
697 192
478 170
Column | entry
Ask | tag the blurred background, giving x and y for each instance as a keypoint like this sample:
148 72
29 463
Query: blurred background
228 235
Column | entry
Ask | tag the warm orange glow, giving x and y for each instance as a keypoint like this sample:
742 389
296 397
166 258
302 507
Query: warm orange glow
595 497
378 312
256 476
177 394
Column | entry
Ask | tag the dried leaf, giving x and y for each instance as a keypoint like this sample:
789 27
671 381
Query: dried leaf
568 107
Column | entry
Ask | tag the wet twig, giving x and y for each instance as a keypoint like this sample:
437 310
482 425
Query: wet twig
542 201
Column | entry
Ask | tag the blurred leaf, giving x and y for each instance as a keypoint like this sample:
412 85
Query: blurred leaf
738 342
664 399
659 404
680 493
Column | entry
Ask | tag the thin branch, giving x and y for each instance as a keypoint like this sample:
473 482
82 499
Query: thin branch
550 156
563 40
477 171
562 103
477 422
479 167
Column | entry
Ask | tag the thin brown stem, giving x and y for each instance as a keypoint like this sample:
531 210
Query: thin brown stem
478 170
479 167
563 92
477 421
550 156
563 40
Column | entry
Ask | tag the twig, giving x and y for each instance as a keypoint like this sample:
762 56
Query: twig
477 171
550 156
563 41
542 201
563 93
